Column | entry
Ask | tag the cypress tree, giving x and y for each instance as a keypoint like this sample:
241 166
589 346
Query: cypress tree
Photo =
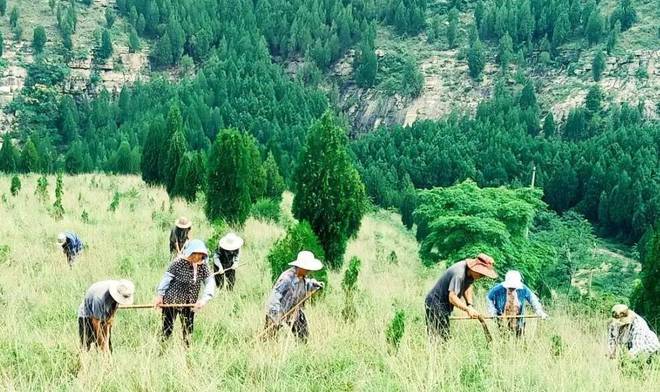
329 192
366 65
161 54
58 208
3 7
105 49
549 127
476 59
274 181
408 204
39 39
452 29
594 27
152 153
598 65
15 186
257 173
505 51
30 162
2 44
228 181
175 152
8 155
133 41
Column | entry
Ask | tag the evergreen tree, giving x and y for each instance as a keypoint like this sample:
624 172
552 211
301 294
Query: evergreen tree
228 179
598 65
58 208
452 29
38 39
408 204
14 14
528 96
646 298
298 237
30 161
3 7
2 44
152 152
175 153
476 59
133 41
8 155
42 189
105 49
161 54
561 29
329 192
505 51
109 17
613 38
274 181
366 65
412 79
190 177
549 127
74 161
257 174
594 28
594 99
625 14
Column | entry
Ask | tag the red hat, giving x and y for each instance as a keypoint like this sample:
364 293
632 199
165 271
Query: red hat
484 265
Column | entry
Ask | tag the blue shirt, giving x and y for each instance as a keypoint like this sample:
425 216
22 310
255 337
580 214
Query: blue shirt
497 300
73 244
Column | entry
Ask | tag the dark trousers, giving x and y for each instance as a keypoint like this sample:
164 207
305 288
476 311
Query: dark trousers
299 327
230 275
187 319
437 320
87 334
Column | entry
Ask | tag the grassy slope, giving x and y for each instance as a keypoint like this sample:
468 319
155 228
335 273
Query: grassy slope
39 297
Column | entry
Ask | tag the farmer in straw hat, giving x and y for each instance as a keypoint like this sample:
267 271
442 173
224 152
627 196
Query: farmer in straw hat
97 310
225 260
179 235
628 329
291 288
508 299
181 284
71 246
454 284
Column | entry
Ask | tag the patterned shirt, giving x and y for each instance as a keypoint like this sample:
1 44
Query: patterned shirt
181 284
637 337
287 292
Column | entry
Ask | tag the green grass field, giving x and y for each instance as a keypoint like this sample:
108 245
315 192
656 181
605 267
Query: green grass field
39 297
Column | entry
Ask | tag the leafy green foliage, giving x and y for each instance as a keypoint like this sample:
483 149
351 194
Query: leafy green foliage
624 14
105 49
274 182
452 29
298 237
175 155
406 16
42 189
15 185
3 7
329 192
114 203
349 281
476 59
598 65
9 158
396 329
366 65
58 208
646 298
267 210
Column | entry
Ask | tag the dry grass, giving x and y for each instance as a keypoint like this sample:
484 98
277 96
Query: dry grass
39 297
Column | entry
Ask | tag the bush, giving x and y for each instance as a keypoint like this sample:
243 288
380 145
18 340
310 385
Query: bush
15 186
114 204
298 238
349 285
220 228
395 329
267 210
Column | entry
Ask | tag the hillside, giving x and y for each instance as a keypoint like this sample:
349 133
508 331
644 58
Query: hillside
40 296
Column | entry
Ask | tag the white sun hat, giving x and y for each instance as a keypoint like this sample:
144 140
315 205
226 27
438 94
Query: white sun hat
513 280
122 291
61 239
230 242
307 261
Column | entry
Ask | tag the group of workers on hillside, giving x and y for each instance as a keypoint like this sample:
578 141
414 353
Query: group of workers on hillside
190 282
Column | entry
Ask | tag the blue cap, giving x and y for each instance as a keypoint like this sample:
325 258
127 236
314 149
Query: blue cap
194 246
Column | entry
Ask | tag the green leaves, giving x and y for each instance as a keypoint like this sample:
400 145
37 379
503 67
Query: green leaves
298 237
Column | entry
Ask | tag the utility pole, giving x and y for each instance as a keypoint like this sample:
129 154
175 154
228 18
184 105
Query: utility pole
533 176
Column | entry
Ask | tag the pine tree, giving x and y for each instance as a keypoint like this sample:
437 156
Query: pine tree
15 186
613 38
594 99
105 49
190 177
476 59
329 192
408 204
625 14
152 151
452 29
549 127
176 149
598 65
133 41
74 162
412 80
30 161
38 39
366 65
274 181
594 27
646 298
58 208
8 155
505 51
109 17
256 169
3 7
228 181
528 96
161 54
561 29
2 44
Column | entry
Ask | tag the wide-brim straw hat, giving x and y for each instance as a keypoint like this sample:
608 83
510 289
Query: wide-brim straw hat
122 291
622 315
483 264
194 246
183 223
230 242
307 261
61 239
512 280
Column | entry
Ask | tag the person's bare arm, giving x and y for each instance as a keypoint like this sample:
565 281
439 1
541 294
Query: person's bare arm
469 296
459 303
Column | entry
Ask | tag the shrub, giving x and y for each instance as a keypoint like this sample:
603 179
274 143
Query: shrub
58 208
267 210
220 228
395 329
15 186
42 189
114 204
349 285
298 237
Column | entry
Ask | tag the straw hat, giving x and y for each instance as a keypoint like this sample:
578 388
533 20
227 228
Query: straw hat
194 246
183 223
307 261
122 291
622 315
61 239
230 242
513 280
483 265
